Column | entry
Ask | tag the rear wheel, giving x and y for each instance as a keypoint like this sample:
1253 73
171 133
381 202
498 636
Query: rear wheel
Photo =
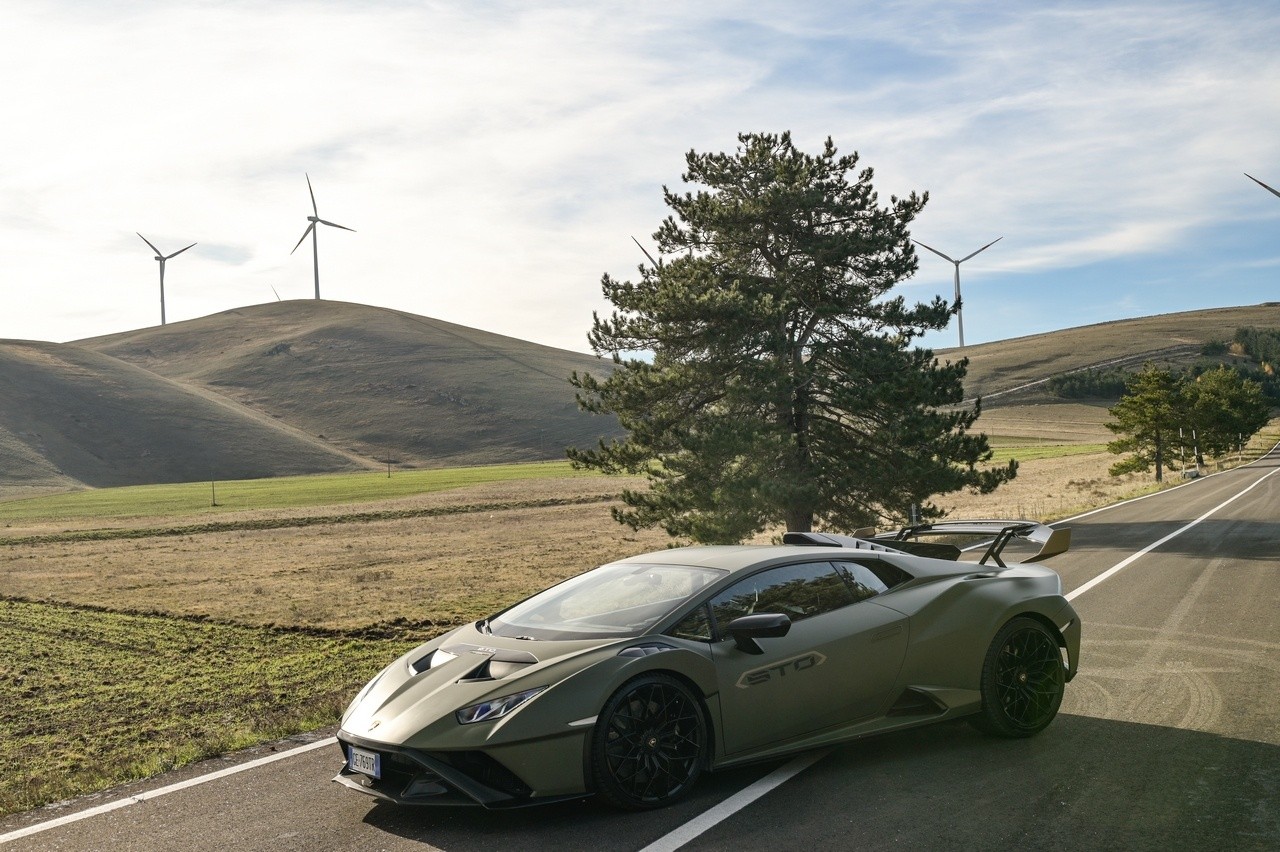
1022 680
649 743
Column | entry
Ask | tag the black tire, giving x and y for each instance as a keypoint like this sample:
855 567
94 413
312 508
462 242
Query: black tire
649 743
1022 680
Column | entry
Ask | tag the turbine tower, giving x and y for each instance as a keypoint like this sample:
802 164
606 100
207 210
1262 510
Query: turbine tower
312 221
1261 184
162 258
959 312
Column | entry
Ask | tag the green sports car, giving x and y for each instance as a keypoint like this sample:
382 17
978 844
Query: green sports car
632 679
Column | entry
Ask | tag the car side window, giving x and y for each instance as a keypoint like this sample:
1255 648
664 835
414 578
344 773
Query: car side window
696 626
862 580
889 575
797 591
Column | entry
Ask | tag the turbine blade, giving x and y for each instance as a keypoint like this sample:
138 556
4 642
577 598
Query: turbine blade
178 252
646 252
335 225
148 242
1246 174
984 248
932 249
310 227
314 209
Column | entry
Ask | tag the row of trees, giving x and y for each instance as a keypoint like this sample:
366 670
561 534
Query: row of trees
1105 383
1161 409
1260 344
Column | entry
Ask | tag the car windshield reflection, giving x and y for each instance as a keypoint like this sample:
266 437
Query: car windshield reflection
618 600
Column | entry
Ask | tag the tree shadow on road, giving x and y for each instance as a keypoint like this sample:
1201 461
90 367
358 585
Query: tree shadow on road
1084 783
1218 538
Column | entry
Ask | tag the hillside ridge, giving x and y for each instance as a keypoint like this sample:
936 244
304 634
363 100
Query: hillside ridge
73 417
1000 367
309 386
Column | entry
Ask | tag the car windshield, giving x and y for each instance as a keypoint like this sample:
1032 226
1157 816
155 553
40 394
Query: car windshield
613 601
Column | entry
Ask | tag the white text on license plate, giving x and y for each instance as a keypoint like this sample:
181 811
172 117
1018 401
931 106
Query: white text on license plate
366 762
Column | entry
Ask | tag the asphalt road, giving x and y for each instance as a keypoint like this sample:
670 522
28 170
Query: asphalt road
1169 738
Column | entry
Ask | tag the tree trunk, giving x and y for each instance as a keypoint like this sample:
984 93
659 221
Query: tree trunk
1159 459
800 516
799 519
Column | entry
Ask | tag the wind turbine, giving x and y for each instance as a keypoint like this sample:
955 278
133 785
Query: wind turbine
1261 184
959 312
162 258
314 220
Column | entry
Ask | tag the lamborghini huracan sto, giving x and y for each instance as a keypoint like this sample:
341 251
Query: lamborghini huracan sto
632 679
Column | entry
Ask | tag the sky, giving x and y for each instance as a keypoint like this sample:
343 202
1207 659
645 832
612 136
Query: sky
496 158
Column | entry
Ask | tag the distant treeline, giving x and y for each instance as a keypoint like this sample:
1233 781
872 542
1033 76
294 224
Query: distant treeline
1097 384
1261 346
1263 375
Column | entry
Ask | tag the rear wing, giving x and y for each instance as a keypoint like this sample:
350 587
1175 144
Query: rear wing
909 539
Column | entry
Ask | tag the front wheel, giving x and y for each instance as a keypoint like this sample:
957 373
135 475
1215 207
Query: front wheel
649 743
1022 680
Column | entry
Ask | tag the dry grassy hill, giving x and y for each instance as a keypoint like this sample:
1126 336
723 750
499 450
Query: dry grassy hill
378 383
310 386
71 416
1010 375
1006 367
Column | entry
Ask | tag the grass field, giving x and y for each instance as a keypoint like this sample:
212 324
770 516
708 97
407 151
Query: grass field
125 655
1035 452
97 698
286 492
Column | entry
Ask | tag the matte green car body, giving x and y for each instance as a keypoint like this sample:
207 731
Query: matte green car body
911 655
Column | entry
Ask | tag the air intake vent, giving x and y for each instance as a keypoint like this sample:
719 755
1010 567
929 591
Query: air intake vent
915 703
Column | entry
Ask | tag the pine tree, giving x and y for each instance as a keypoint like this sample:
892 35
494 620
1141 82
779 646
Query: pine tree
1147 417
1225 408
782 385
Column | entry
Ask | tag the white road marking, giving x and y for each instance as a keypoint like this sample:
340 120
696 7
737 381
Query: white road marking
1111 506
162 791
1195 481
1120 566
730 806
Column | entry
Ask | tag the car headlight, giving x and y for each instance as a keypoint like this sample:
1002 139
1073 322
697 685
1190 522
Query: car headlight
494 708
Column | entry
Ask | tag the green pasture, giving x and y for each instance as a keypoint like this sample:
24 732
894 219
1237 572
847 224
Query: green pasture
189 498
96 698
1043 451
220 496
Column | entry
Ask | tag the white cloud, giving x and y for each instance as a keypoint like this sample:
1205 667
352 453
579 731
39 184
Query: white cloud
495 158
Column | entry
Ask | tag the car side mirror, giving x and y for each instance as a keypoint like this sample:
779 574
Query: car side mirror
761 625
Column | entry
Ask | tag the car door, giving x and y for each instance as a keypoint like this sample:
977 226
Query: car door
836 664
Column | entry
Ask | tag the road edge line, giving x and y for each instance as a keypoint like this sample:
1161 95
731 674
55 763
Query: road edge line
1120 566
18 834
1195 481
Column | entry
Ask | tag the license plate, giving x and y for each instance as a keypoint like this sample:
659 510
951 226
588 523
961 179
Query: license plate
365 762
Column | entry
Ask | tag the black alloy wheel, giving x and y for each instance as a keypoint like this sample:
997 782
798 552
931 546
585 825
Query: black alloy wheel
1023 679
649 743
